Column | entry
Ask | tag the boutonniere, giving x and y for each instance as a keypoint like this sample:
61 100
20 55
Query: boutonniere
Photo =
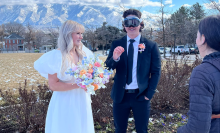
141 47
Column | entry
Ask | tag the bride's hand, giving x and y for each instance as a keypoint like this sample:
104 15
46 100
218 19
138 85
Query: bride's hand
83 87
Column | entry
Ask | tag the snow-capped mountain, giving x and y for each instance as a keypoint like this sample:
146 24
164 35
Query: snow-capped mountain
47 15
55 14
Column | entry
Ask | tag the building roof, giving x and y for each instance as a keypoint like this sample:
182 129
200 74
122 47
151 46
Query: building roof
14 36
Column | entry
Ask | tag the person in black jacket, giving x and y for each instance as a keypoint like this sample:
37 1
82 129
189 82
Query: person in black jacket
204 86
138 66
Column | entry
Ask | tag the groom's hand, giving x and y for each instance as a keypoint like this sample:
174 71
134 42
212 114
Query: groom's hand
117 52
215 116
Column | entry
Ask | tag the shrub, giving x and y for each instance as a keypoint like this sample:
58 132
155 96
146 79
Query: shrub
25 111
102 106
172 90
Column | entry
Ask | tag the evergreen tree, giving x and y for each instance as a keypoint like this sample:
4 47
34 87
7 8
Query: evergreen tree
197 12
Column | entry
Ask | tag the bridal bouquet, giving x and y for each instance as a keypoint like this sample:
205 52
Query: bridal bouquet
90 73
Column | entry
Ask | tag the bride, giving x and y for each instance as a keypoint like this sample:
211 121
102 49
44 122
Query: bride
69 110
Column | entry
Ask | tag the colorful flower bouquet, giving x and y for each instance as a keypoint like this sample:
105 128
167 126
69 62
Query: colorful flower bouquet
90 73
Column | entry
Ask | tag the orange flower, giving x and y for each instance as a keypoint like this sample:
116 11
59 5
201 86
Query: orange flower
82 72
101 75
90 65
95 87
141 46
90 71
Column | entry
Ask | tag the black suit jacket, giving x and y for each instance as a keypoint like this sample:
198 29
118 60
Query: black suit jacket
148 69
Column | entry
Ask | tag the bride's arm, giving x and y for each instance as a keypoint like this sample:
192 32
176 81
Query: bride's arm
55 85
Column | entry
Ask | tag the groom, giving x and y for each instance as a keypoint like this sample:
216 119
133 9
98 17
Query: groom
137 74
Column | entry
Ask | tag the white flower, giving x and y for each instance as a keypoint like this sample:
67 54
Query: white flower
90 87
91 92
100 80
96 79
77 71
76 76
102 86
105 76
100 70
84 76
83 83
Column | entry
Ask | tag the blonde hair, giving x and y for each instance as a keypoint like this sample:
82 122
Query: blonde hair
65 43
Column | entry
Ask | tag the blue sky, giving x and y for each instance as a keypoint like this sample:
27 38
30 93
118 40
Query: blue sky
175 5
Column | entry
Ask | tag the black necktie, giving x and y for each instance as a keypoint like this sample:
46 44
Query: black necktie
130 61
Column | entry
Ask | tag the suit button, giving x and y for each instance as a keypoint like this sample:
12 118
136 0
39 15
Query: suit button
125 75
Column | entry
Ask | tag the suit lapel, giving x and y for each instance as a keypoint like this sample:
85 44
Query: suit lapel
124 54
140 54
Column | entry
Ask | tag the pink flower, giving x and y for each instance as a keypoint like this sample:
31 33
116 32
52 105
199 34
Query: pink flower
89 75
97 64
83 86
141 46
74 68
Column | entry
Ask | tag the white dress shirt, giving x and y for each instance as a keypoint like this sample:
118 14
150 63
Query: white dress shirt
134 84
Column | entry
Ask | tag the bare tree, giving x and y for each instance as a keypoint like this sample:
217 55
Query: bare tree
53 33
148 33
102 34
90 36
214 4
14 27
1 33
39 38
1 46
29 36
161 21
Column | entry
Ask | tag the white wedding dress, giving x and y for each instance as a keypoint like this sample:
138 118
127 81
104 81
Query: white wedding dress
68 111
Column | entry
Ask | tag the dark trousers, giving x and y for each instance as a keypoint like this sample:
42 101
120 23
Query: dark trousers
141 112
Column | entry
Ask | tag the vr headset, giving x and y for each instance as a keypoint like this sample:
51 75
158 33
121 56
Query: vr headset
132 21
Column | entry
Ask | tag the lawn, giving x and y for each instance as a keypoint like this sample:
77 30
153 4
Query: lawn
16 67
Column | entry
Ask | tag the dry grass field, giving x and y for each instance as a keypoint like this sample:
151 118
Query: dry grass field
16 67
